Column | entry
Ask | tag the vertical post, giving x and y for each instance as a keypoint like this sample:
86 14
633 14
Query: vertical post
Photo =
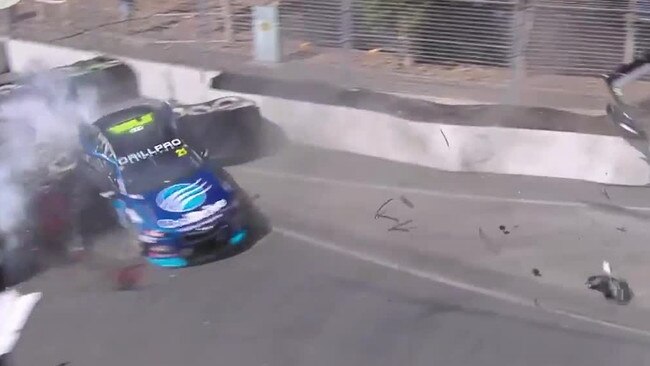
522 23
346 24
227 20
346 37
630 19
266 34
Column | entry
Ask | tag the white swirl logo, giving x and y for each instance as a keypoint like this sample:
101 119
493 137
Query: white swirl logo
183 197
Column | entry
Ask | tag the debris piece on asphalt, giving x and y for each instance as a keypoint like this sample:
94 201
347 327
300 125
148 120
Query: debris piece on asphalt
407 202
536 272
612 288
622 229
129 277
445 137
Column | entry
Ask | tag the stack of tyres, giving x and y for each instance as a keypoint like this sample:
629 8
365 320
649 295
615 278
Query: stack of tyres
228 128
101 80
110 80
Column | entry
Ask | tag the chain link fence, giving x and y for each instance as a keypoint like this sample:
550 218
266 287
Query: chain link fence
491 39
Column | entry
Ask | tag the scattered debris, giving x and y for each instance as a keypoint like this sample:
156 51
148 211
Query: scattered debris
407 202
444 136
622 229
399 225
128 277
612 288
536 272
503 229
380 214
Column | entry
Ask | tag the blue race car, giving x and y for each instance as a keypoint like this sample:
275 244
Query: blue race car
176 202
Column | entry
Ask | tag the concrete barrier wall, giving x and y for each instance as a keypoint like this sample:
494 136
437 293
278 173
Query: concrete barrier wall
598 158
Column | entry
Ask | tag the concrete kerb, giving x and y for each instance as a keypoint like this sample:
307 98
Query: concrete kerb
603 159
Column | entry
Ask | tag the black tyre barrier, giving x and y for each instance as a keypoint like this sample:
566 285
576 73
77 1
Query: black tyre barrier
112 80
103 80
228 128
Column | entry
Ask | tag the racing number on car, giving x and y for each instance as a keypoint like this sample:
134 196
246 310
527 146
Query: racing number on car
181 152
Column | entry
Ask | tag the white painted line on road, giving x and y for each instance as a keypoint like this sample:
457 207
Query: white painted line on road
427 192
436 277
462 101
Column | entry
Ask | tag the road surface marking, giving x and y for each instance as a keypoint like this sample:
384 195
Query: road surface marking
439 278
429 192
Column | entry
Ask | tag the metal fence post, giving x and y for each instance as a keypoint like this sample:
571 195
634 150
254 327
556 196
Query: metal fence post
227 20
346 24
630 19
346 36
522 23
266 32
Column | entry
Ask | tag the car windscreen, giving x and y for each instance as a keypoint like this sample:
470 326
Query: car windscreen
157 171
139 133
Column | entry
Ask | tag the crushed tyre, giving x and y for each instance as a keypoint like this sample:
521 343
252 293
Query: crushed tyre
227 128
112 80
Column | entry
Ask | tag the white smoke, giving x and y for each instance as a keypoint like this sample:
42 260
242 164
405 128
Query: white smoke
38 127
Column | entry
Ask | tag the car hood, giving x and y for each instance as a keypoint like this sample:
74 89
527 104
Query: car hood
188 202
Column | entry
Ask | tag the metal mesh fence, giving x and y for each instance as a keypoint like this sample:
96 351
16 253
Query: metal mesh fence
455 31
577 37
421 37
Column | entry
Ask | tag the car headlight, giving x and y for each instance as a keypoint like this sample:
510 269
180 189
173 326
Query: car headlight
154 233
151 236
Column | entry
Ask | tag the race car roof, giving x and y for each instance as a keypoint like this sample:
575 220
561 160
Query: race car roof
137 125
118 112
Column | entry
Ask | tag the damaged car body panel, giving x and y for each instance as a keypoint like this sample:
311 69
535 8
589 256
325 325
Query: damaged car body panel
162 188
131 135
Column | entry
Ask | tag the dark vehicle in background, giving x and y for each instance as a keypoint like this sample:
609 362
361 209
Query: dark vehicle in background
630 117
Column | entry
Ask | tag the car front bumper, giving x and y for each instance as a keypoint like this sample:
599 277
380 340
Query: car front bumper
200 248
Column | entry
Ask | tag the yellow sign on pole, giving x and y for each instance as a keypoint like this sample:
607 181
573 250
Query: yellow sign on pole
266 26
5 4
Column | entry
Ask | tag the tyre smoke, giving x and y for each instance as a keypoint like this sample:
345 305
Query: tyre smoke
38 133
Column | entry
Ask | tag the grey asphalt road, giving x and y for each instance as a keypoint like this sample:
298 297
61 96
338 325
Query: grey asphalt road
286 301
